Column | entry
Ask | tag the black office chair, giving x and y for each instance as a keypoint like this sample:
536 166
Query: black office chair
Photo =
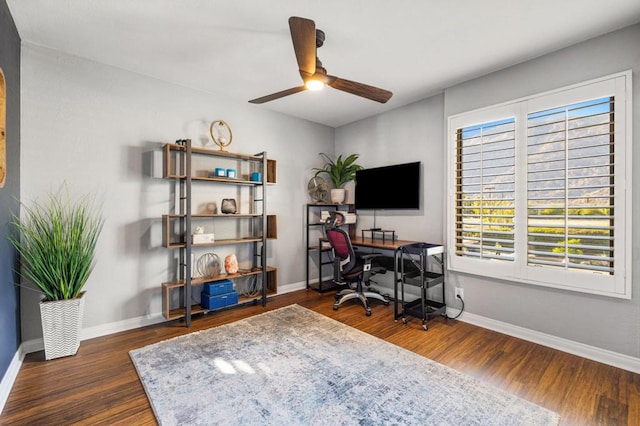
351 269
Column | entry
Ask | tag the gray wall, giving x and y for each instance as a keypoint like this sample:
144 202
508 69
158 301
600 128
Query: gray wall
406 134
99 128
9 293
417 133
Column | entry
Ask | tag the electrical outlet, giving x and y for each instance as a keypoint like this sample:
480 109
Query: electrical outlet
460 292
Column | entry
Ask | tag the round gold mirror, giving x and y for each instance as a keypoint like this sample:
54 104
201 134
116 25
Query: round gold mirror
221 134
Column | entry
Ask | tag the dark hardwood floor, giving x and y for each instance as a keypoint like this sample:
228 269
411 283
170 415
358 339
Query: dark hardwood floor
99 384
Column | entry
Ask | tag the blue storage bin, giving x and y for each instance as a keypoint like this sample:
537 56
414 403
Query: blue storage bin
218 301
218 287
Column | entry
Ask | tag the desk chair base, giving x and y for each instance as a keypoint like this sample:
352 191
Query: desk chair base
349 294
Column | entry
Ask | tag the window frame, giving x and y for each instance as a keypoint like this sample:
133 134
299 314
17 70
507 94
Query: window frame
617 285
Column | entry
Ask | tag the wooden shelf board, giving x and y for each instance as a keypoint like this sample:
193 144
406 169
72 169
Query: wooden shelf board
214 179
219 215
245 299
198 309
272 229
202 280
316 247
215 152
216 243
180 312
226 180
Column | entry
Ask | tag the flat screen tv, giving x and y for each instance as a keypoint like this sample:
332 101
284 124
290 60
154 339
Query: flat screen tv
395 187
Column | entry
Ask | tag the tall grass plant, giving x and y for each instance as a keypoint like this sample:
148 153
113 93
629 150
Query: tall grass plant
56 242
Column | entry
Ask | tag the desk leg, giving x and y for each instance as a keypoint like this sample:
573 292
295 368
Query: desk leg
395 284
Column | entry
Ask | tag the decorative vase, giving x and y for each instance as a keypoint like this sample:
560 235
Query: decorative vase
61 324
337 195
231 264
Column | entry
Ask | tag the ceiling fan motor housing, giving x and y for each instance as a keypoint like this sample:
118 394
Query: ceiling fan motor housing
319 38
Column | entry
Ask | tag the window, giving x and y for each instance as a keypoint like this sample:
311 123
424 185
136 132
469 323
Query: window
570 184
540 189
485 190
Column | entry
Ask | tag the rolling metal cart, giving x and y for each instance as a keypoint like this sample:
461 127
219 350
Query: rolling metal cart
416 272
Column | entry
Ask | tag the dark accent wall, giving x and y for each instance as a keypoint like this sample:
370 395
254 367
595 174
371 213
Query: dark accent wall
9 294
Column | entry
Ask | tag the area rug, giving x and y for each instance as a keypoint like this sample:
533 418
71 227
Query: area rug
293 366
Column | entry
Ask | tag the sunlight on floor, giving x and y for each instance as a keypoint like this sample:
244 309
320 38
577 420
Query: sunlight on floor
238 366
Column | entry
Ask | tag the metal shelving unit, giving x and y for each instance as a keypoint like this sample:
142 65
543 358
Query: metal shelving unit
261 227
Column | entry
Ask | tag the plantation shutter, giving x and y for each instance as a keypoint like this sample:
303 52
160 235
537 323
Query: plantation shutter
570 185
485 191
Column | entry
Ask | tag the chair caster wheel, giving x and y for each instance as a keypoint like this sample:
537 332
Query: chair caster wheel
386 303
404 320
368 312
335 307
425 327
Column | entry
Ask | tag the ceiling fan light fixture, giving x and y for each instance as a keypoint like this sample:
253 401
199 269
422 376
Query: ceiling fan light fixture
314 85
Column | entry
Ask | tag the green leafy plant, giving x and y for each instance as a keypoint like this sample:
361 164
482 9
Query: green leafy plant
56 242
341 170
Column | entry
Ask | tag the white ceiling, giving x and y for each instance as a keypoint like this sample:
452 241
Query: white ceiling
241 49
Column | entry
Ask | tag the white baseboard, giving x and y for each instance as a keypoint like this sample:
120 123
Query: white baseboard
124 325
10 376
36 345
292 287
593 353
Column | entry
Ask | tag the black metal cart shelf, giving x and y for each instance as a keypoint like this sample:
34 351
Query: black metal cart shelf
415 271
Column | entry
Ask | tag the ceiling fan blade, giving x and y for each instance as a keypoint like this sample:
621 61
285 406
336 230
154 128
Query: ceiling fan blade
360 89
278 95
303 35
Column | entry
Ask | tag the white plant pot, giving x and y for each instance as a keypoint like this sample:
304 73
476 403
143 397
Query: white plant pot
337 195
61 324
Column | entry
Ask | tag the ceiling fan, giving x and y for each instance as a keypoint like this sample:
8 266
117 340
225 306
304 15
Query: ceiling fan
306 39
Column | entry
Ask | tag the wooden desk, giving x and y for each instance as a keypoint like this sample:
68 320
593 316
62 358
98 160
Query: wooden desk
377 243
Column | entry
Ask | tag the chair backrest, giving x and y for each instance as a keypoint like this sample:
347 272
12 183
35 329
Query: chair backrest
342 248
334 220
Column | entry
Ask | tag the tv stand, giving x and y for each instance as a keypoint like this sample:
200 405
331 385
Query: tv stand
376 232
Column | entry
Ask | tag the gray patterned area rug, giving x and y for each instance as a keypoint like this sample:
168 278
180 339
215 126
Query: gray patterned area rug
294 366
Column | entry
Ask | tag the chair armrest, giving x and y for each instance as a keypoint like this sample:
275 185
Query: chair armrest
369 269
369 256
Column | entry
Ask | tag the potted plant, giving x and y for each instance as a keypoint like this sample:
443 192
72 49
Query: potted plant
341 171
56 243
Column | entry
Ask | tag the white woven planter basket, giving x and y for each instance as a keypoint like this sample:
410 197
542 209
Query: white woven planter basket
61 324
